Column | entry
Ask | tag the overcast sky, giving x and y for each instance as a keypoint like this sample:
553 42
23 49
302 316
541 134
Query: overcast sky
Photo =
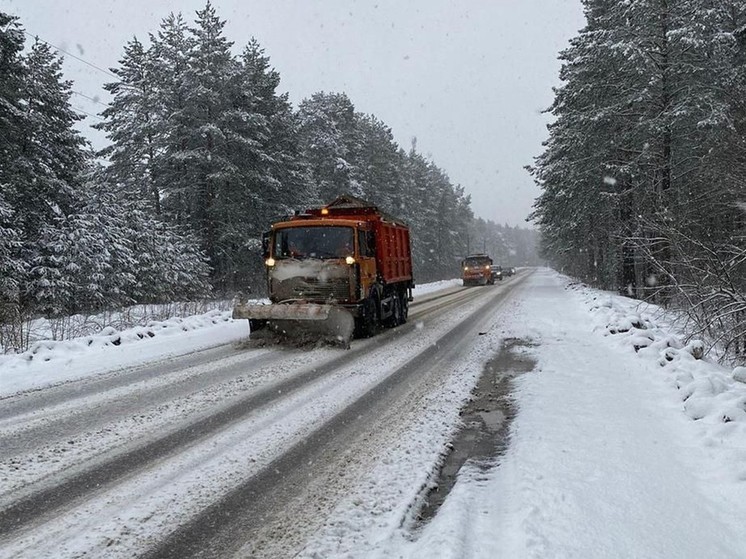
467 78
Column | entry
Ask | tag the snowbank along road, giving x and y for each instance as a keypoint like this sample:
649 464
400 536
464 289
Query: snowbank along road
229 451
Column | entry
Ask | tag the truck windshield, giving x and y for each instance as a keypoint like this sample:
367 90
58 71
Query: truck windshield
314 242
478 261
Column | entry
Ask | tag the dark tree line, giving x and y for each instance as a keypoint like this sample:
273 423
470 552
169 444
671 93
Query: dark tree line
68 242
644 170
204 153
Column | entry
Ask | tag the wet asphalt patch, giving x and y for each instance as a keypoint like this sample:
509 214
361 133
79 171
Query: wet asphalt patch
484 434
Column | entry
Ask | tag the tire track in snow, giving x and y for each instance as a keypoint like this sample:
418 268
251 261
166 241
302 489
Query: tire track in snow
224 527
35 506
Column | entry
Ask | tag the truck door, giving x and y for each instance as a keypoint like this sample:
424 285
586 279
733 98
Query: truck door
366 250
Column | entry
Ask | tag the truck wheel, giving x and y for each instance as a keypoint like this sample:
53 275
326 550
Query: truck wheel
366 325
404 308
395 318
257 324
398 310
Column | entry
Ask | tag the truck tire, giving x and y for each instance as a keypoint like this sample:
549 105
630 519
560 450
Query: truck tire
256 324
367 324
396 315
404 307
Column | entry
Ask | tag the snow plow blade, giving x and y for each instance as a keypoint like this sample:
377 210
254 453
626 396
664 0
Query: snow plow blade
301 321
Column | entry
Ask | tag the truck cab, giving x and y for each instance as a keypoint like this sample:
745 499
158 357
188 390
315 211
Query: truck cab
476 269
320 261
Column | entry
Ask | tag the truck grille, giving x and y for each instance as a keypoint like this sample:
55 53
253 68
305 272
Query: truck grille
313 289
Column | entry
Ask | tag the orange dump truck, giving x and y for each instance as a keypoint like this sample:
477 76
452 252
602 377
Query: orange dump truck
333 271
476 269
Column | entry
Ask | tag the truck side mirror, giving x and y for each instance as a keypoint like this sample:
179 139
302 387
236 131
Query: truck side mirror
265 244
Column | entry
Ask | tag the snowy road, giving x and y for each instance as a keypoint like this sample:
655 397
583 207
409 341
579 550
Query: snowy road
532 419
225 450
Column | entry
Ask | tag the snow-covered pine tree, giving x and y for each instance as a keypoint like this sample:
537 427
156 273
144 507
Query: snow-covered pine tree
269 177
125 254
47 178
169 266
419 211
704 227
13 268
448 225
679 66
327 136
132 123
12 78
377 164
287 184
57 151
211 135
644 166
438 214
707 143
216 132
170 53
587 172
104 249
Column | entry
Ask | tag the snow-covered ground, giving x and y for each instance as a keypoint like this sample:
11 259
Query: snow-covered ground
614 452
50 361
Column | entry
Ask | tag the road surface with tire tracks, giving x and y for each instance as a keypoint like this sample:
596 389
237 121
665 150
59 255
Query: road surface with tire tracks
224 451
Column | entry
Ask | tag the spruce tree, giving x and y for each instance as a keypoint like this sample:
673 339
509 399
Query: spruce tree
12 268
12 80
48 169
12 122
170 53
285 180
327 135
377 167
132 123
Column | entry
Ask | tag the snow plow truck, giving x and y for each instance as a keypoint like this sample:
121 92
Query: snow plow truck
476 269
334 272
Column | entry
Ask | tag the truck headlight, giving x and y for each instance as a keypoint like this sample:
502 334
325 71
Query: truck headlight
270 262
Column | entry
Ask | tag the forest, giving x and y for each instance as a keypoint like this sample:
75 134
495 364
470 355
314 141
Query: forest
644 172
204 153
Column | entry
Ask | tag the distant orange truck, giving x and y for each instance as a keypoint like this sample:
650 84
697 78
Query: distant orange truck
476 269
